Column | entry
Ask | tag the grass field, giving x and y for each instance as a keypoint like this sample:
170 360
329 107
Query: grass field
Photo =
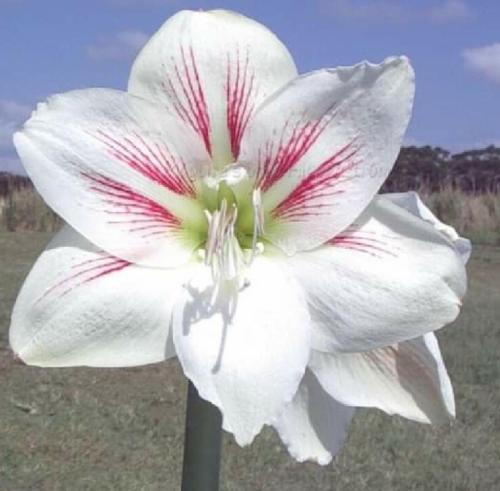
122 429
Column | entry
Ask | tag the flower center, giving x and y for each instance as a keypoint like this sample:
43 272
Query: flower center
225 252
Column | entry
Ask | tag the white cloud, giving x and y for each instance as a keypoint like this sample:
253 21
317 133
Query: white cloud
393 11
123 45
484 60
450 11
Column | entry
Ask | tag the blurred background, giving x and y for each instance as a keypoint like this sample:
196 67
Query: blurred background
122 429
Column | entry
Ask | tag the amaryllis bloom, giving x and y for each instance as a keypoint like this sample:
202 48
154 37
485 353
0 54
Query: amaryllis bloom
223 211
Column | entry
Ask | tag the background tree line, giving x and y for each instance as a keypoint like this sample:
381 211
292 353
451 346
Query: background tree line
432 168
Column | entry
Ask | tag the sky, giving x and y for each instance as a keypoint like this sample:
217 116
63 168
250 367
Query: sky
51 46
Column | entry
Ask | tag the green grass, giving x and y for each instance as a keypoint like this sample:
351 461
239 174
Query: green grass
122 429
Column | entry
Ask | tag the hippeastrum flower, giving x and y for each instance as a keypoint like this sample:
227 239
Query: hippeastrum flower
224 211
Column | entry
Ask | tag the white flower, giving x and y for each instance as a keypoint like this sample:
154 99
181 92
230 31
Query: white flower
224 211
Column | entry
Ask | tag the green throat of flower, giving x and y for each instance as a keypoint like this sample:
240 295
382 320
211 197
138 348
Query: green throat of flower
235 225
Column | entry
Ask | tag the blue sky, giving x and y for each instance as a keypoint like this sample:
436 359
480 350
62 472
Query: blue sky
49 46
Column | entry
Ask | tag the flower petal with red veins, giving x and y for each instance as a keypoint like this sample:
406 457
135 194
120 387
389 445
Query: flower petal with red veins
212 69
81 306
388 278
120 171
321 147
408 378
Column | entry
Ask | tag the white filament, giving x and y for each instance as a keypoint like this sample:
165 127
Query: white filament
258 221
222 253
222 250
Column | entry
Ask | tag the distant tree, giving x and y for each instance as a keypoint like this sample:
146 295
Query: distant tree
473 171
11 182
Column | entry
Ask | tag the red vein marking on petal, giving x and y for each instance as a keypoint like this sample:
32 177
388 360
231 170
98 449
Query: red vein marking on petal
366 242
306 198
273 163
187 96
130 207
86 272
154 161
403 361
240 98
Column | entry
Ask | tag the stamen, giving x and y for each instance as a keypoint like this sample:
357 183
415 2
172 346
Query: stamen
223 253
258 221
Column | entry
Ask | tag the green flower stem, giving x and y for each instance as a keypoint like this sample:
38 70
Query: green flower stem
202 444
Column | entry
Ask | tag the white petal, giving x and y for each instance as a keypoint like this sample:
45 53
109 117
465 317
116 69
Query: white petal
212 69
411 201
389 278
245 351
407 378
321 147
119 171
81 306
314 425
